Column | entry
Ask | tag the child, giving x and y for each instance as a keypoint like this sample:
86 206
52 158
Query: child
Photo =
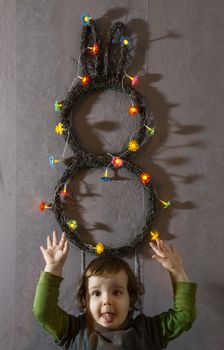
107 294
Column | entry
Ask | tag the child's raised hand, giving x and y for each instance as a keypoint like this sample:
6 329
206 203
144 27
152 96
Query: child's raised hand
56 253
169 258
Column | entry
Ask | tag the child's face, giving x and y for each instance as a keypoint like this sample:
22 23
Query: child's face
108 299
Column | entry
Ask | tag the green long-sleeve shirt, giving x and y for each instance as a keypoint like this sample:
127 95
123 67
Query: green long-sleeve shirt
143 332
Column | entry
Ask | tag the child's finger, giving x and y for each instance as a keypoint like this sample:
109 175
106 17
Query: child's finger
158 258
49 242
156 249
165 246
159 243
66 248
63 239
173 249
55 238
43 250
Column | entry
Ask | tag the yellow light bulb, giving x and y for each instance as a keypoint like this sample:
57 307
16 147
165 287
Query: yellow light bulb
99 248
72 224
133 146
154 235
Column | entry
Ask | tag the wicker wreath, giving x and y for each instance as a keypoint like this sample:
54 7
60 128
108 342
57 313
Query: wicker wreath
99 71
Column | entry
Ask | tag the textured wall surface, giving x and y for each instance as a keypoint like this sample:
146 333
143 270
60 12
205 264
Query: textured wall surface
179 53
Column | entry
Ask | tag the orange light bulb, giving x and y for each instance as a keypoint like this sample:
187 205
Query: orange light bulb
145 178
94 49
85 80
133 110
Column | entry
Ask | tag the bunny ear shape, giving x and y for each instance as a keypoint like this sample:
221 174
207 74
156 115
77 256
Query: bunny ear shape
89 57
114 61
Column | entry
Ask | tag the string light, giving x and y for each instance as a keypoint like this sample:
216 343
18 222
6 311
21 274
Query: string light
165 204
85 80
145 178
94 49
43 205
72 224
154 235
150 131
85 18
58 105
99 248
64 194
53 161
134 79
90 80
117 162
105 177
133 110
133 146
125 41
59 128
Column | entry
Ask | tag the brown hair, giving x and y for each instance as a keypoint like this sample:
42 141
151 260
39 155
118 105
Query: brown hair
105 266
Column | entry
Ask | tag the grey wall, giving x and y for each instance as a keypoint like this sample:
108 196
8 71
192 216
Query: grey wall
179 52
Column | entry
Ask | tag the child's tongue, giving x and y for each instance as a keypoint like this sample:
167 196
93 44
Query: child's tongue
108 316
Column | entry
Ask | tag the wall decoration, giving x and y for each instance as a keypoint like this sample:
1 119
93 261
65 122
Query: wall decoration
97 71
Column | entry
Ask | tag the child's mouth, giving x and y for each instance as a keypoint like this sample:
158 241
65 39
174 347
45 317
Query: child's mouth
108 316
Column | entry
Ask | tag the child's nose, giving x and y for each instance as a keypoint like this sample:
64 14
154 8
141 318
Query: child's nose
107 300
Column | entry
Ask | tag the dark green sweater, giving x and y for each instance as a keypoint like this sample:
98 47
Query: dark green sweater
142 333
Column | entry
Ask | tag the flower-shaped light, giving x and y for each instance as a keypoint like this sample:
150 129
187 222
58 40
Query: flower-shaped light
134 79
133 110
125 41
94 49
133 146
58 105
165 204
59 128
72 224
85 18
44 205
64 194
85 80
99 248
117 162
154 235
150 131
53 161
105 176
145 178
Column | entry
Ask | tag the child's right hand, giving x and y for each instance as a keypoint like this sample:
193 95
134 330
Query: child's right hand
56 253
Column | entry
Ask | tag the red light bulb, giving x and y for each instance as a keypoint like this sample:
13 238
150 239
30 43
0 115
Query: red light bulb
43 205
117 162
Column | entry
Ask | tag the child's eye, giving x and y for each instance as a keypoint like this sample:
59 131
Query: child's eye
117 292
96 293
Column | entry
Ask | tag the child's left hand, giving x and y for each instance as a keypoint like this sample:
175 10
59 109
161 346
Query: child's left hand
169 258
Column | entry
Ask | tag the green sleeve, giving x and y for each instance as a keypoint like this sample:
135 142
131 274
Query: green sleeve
179 319
54 320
